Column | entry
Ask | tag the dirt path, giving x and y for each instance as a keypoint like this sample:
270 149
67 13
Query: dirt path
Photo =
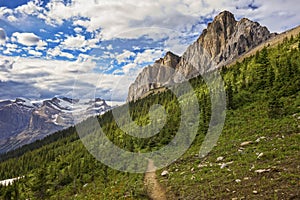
154 189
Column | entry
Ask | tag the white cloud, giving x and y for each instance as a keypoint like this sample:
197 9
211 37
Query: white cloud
74 42
12 18
10 48
83 23
35 53
123 57
57 52
79 42
27 39
5 11
54 52
78 30
30 8
48 76
109 47
67 55
131 67
149 55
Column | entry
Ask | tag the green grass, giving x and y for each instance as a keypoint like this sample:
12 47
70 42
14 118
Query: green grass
280 150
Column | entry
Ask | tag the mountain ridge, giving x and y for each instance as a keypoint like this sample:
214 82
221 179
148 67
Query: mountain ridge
23 121
224 40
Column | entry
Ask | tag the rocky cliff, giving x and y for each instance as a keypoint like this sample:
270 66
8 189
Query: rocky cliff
154 76
224 40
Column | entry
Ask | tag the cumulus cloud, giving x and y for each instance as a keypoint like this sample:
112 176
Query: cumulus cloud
129 68
35 53
148 56
123 57
12 18
58 52
79 42
31 8
48 77
28 39
74 42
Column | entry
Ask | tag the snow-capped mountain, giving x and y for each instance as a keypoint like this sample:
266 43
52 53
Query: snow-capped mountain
23 121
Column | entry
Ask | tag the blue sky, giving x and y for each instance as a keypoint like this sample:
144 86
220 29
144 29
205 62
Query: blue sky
97 47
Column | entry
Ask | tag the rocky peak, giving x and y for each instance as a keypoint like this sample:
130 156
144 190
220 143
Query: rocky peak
224 40
170 60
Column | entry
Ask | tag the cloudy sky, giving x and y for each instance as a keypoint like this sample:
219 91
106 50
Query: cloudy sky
76 48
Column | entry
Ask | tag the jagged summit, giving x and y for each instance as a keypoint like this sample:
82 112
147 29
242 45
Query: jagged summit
223 41
169 60
225 38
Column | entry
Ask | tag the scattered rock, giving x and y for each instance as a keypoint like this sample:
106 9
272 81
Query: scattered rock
165 173
192 170
223 165
259 139
202 165
85 185
176 170
245 143
220 159
193 177
262 170
238 180
260 155
255 192
246 178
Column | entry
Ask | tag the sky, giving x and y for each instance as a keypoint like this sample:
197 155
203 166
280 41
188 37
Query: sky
83 48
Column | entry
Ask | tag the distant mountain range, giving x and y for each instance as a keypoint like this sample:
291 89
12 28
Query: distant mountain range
23 121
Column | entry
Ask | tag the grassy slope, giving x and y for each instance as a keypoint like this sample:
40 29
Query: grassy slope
280 149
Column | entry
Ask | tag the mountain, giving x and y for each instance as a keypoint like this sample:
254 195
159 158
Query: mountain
23 121
256 156
224 40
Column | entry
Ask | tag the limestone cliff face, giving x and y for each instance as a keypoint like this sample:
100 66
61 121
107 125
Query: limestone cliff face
154 76
224 40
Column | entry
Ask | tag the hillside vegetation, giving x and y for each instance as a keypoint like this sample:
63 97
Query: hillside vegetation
256 157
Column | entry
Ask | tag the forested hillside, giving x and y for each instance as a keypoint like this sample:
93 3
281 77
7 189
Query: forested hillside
263 100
